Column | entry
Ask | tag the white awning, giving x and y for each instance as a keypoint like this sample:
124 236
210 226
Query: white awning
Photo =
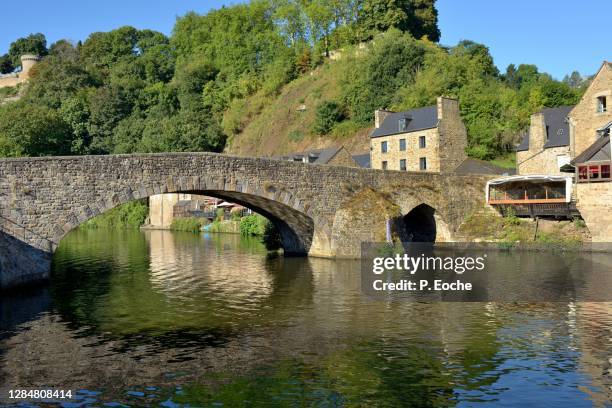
535 178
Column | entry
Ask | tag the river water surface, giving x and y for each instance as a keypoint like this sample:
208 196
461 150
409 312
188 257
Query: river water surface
169 319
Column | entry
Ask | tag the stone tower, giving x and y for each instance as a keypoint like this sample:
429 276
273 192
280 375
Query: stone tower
27 62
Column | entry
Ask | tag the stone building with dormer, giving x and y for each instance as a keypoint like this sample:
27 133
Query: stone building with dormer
431 139
559 135
564 162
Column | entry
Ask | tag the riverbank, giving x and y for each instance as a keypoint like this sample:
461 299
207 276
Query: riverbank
511 231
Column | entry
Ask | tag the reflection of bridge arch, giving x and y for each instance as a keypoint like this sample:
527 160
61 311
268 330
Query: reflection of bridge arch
42 199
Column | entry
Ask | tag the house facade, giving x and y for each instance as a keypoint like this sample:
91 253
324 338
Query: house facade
570 142
431 139
559 135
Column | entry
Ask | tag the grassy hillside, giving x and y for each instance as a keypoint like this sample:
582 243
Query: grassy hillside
271 125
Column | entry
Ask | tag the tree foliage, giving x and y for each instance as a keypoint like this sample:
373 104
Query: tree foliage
130 90
32 44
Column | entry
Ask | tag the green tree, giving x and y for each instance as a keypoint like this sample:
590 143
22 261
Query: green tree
32 130
391 64
32 44
574 80
417 17
328 114
6 64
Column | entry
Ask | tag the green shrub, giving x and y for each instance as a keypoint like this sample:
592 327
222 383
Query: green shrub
328 114
252 225
131 215
296 136
579 223
235 216
510 218
220 214
189 224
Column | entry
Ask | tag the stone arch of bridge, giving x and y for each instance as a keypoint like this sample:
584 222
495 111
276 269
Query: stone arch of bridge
424 223
291 217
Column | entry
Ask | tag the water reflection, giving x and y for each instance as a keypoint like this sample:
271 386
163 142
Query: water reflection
147 318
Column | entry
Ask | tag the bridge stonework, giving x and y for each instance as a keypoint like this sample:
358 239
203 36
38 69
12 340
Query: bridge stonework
319 210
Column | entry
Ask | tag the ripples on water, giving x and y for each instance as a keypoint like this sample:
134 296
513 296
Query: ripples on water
177 319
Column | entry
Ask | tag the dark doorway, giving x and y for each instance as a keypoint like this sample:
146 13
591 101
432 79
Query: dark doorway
420 224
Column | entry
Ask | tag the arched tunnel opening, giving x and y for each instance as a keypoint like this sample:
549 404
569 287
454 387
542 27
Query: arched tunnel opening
419 225
293 229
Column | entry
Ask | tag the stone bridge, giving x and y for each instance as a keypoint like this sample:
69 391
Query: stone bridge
319 210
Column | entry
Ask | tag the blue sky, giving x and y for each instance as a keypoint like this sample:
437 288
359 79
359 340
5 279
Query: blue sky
556 35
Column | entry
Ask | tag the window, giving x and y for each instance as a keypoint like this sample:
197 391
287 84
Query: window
601 104
422 142
403 124
594 172
384 165
402 145
383 147
403 164
423 163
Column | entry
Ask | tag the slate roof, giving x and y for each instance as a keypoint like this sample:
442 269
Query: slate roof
475 166
318 156
598 151
524 145
363 160
418 119
557 128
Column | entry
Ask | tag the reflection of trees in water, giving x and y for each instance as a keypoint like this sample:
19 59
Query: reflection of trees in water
161 286
300 330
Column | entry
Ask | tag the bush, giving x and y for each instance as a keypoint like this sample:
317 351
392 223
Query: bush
510 218
296 136
131 215
189 224
252 225
220 214
579 223
328 114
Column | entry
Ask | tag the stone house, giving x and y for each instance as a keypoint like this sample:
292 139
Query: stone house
558 135
568 145
431 139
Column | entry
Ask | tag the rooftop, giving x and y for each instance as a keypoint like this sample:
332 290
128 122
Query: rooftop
557 128
475 166
417 119
363 160
318 156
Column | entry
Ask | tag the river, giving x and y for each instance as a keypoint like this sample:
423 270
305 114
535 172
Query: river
159 318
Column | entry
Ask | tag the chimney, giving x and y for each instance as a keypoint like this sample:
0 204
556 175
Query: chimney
537 132
379 116
447 108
